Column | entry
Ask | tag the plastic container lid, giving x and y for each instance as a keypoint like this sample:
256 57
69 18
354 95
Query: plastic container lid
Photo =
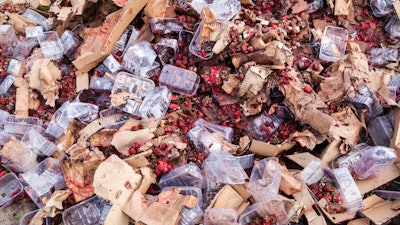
88 212
179 80
333 43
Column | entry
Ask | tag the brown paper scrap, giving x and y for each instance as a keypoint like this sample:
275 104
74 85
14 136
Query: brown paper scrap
115 181
116 216
156 8
290 183
254 80
22 99
343 7
82 82
123 140
139 160
396 5
380 211
269 150
229 198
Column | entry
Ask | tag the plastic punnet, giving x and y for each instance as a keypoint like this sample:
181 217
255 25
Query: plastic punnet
165 25
10 189
51 45
101 84
36 138
186 175
273 208
88 212
24 48
216 216
246 160
70 42
193 215
381 7
14 67
179 80
34 32
224 9
139 58
84 112
112 64
60 121
166 49
265 178
37 18
18 125
373 161
8 39
6 84
137 86
113 118
197 50
203 139
156 103
333 43
224 131
263 125
380 130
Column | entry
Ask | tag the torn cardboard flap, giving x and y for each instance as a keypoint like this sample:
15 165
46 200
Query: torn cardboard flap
269 150
116 216
378 210
311 215
139 160
123 140
229 198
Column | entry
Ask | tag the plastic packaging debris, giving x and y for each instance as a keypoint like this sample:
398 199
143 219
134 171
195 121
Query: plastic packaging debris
129 91
333 43
380 56
6 84
20 160
179 80
381 7
88 212
43 180
265 179
389 195
186 175
51 45
70 42
4 138
34 32
203 52
14 67
156 103
84 112
315 6
224 131
10 189
246 160
132 40
193 215
224 9
59 121
373 160
113 118
119 47
215 216
8 39
365 98
24 48
204 140
393 27
37 18
36 138
380 130
166 49
112 64
101 84
165 25
262 126
272 211
18 125
139 58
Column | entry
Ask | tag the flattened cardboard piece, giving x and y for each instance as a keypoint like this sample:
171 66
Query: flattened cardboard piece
156 8
89 60
336 217
331 151
82 82
102 138
159 214
367 185
123 140
254 80
396 6
321 125
139 160
289 183
173 199
380 211
360 221
115 181
116 216
395 142
343 7
347 126
269 150
90 129
22 98
136 205
229 198
311 215
149 177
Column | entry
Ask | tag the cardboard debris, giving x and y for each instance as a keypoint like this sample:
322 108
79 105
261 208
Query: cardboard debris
139 160
102 138
22 98
378 210
231 198
290 182
82 82
269 150
254 80
115 26
123 140
115 181
396 5
313 217
116 216
90 129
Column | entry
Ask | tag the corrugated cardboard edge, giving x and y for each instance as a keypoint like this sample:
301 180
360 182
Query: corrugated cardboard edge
380 211
87 61
269 150
90 129
116 216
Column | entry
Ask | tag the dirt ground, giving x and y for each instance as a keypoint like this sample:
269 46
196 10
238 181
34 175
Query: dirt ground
12 214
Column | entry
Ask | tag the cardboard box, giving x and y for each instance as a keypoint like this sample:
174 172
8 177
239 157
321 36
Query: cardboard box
87 61
378 210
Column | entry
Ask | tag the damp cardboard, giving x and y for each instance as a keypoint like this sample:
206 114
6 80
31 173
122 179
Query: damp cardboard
269 150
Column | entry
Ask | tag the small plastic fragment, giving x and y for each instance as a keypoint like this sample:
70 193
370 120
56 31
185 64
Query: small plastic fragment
10 189
156 103
333 43
179 80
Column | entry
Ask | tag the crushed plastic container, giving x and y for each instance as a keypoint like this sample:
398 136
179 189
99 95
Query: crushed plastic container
37 18
216 216
101 84
165 25
6 84
51 45
393 27
202 52
373 160
246 160
265 179
179 80
333 43
10 189
262 126
43 180
156 103
88 212
316 5
59 121
132 39
186 175
224 9
139 58
112 64
4 138
380 130
166 49
135 85
193 215
224 131
18 125
24 48
203 139
381 7
380 56
70 42
272 210
36 138
113 118
84 112
14 67
20 160
8 39
34 32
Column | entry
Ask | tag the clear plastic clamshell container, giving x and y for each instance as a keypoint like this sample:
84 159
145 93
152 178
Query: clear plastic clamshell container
224 131
26 219
89 212
6 84
139 58
136 87
186 175
333 43
37 139
202 52
71 43
272 211
18 125
215 216
265 178
112 64
37 18
262 126
51 45
224 9
8 39
166 49
156 103
34 32
10 189
113 118
203 139
179 80
101 84
165 25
